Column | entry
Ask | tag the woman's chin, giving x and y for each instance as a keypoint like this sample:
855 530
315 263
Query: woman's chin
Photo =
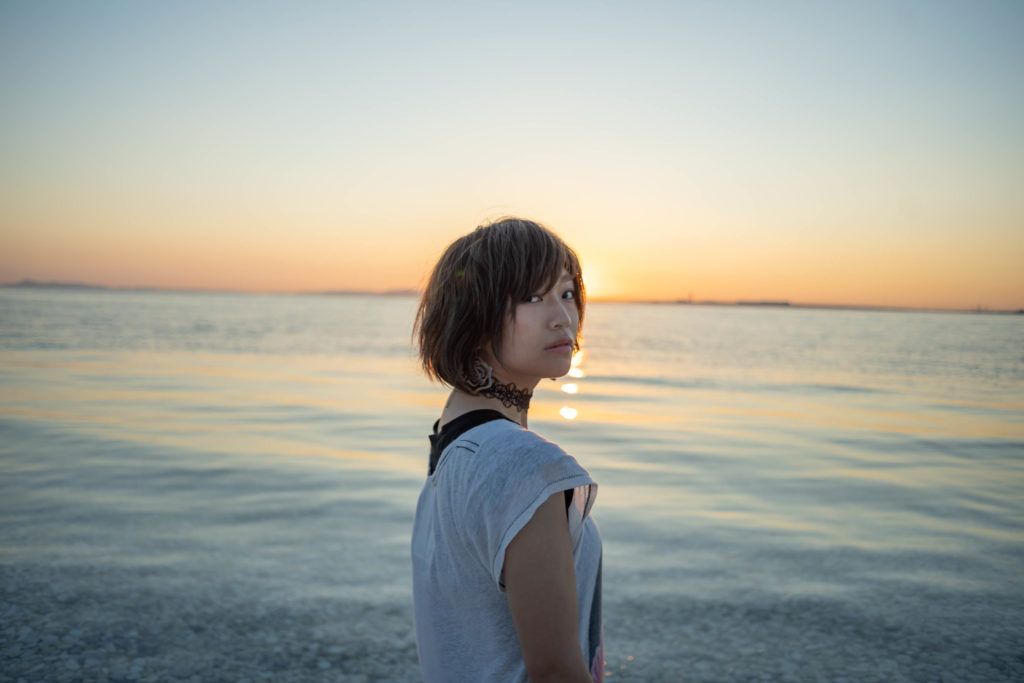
560 372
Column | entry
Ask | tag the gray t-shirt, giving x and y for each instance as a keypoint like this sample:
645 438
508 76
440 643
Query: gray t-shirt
486 486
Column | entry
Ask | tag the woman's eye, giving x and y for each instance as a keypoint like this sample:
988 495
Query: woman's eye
569 295
533 299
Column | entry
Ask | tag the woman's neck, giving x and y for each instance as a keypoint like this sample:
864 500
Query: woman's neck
508 399
510 395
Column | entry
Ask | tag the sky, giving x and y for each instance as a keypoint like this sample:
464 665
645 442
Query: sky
858 153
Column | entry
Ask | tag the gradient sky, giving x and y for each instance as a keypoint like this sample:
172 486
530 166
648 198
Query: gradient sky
818 152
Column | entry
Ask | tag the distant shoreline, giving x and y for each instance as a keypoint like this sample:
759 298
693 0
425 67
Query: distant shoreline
32 284
79 286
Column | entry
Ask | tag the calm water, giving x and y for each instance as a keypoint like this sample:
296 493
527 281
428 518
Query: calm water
798 494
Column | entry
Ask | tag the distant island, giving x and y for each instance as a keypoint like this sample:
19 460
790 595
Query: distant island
58 285
363 292
33 284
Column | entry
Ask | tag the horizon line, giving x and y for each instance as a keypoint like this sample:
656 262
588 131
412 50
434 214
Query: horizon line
400 292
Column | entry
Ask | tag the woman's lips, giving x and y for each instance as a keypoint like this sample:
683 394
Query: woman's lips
561 346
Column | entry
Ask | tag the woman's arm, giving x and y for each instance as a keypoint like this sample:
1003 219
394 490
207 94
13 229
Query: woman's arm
540 583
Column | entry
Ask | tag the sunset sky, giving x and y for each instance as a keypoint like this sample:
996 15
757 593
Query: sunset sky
817 152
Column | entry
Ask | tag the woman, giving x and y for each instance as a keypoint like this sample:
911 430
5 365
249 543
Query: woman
506 559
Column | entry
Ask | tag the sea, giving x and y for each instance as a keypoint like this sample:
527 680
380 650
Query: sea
220 486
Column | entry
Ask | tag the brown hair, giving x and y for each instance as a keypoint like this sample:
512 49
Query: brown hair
477 283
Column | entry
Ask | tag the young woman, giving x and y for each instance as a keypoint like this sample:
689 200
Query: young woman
506 559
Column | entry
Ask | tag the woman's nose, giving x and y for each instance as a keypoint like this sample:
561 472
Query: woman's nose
561 317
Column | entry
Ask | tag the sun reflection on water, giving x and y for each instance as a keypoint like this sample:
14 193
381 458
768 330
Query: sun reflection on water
568 412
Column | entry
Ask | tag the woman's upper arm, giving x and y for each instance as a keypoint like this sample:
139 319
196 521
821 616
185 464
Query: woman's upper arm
540 583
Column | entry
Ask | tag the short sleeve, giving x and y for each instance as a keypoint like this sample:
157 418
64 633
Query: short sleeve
519 470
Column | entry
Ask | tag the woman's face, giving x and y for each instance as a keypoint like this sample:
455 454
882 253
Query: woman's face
539 341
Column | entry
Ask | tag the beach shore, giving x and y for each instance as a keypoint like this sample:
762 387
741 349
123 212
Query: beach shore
124 563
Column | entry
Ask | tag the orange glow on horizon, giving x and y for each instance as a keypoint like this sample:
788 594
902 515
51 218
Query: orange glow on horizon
662 264
677 166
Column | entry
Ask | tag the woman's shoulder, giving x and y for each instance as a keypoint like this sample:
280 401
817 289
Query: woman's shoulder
505 450
500 467
503 436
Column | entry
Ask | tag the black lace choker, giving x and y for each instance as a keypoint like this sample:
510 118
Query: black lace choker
509 395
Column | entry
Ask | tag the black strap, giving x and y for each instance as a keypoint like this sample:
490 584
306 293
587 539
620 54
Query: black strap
456 428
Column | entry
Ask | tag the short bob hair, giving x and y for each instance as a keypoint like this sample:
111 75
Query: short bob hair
476 285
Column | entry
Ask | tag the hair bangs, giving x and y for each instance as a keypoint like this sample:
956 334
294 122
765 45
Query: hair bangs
538 261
